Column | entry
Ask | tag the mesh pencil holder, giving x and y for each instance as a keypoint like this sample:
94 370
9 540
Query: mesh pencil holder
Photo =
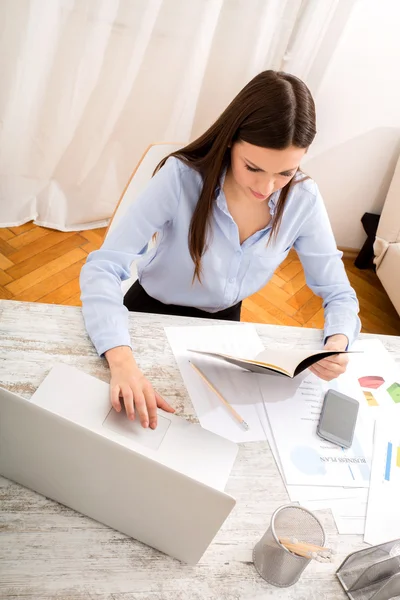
271 559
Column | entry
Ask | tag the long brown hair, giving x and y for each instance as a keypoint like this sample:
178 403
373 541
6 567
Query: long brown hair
274 110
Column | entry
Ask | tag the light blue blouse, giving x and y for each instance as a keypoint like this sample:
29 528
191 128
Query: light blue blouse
231 271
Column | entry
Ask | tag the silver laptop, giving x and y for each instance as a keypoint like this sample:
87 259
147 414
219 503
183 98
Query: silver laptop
162 487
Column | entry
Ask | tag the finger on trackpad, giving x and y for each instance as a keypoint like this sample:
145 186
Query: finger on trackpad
151 438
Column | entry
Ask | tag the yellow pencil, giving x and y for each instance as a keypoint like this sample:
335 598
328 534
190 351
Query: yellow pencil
228 406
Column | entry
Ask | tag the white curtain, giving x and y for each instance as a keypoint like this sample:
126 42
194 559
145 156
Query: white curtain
87 85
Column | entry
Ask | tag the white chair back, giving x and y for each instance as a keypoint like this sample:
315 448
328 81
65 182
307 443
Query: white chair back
137 183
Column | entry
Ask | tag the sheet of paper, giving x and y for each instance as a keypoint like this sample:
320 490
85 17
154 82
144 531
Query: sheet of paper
376 374
347 525
238 387
303 493
293 408
383 521
349 513
350 516
373 359
324 495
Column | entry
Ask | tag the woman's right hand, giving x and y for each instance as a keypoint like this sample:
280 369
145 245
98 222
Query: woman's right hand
129 385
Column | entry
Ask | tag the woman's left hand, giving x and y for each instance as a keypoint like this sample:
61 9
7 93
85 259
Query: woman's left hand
333 366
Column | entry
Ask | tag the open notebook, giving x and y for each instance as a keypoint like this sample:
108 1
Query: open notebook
287 363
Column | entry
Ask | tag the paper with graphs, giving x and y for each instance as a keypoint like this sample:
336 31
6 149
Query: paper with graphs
293 409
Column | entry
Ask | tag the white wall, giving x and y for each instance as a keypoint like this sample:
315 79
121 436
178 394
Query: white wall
358 109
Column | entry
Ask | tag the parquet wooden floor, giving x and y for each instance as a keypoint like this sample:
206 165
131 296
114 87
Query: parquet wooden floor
42 265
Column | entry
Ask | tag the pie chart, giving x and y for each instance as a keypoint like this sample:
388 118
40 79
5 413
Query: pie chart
372 382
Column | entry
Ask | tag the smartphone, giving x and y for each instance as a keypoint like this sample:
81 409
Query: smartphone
338 419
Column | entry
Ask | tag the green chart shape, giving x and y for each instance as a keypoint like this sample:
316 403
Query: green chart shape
394 392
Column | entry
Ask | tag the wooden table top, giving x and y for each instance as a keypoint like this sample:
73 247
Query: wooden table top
48 551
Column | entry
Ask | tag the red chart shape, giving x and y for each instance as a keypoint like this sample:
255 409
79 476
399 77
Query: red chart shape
373 382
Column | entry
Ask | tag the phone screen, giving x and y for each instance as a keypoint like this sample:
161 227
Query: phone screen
338 417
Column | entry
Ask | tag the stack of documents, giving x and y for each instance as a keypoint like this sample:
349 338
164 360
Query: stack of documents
285 411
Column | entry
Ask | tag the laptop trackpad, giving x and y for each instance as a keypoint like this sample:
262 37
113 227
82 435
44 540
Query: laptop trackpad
151 438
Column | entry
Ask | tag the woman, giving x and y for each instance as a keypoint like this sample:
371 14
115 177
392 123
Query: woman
227 209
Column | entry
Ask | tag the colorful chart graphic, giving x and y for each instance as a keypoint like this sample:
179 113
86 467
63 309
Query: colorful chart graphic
394 392
372 382
389 457
370 398
388 467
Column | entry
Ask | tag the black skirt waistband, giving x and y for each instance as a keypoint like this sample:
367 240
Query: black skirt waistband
138 300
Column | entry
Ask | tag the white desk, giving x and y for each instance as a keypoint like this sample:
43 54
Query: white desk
48 551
